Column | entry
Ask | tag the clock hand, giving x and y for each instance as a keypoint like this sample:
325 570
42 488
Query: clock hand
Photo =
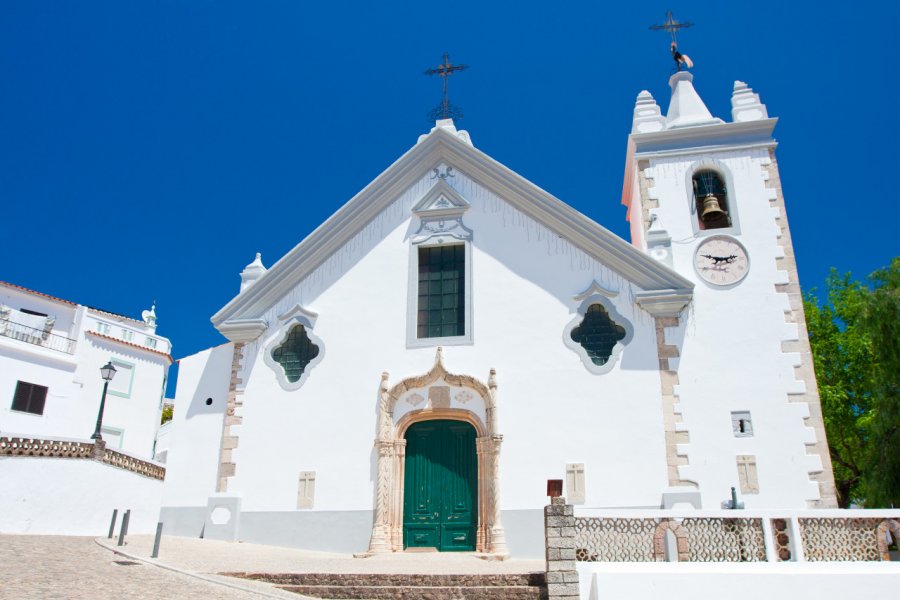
720 259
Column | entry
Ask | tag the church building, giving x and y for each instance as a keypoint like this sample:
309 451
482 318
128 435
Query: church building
412 373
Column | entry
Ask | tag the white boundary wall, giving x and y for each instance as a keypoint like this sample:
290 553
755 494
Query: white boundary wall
738 581
71 496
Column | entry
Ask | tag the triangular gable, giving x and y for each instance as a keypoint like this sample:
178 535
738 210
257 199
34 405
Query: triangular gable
441 146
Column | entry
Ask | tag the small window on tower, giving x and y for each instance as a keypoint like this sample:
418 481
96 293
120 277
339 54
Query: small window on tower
741 424
711 199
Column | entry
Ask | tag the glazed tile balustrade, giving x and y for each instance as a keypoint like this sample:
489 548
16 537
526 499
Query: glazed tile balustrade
736 536
49 448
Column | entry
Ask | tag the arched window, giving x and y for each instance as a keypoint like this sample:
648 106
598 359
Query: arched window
711 199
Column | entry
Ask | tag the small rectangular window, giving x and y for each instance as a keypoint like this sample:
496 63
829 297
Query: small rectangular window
741 424
127 335
441 293
151 342
30 398
103 328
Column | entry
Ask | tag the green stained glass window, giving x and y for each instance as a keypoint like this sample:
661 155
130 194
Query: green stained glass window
598 334
295 353
442 292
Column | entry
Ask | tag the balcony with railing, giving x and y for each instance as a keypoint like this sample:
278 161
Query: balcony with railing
39 337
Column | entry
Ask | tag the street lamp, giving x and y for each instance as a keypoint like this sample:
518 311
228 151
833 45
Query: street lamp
107 372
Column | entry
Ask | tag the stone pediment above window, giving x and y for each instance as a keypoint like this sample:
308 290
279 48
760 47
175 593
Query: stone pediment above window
440 214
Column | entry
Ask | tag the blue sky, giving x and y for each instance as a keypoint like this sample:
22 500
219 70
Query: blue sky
149 149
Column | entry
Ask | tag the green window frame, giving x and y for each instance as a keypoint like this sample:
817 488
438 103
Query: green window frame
441 306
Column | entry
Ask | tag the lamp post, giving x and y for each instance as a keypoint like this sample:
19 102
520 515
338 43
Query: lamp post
107 372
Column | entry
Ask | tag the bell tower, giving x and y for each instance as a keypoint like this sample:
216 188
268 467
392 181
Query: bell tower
740 400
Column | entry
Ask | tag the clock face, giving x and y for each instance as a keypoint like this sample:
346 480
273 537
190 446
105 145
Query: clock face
721 260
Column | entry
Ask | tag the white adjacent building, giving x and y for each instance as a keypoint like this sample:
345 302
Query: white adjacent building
51 351
414 371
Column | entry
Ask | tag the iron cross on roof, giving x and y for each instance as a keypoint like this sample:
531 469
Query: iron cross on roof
672 26
445 110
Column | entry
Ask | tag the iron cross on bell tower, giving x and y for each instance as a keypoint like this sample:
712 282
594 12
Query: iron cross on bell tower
672 26
445 110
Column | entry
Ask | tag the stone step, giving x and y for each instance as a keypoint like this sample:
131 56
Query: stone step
403 592
505 580
408 586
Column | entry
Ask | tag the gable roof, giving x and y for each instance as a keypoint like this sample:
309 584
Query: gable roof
441 146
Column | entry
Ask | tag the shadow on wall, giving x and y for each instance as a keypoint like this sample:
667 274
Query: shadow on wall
211 392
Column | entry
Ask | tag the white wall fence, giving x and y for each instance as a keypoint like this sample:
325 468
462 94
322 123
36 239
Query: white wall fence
649 554
71 487
735 535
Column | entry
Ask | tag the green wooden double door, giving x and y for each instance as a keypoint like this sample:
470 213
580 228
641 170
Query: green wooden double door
440 497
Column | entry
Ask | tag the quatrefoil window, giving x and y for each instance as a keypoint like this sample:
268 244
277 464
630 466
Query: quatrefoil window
295 353
598 334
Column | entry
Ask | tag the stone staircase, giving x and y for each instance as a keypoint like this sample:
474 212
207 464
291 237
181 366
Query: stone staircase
372 586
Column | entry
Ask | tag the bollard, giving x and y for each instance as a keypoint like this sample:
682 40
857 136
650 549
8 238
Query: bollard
112 524
159 527
124 530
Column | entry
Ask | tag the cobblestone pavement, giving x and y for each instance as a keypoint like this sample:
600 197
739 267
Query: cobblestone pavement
43 567
72 568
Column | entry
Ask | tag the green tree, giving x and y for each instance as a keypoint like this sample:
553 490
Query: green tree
881 320
854 339
167 411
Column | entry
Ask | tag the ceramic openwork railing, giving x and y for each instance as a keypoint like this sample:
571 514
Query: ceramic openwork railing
49 448
737 536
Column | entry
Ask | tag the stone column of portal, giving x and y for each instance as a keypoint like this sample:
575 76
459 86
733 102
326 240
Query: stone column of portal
396 517
497 534
381 532
481 534
384 445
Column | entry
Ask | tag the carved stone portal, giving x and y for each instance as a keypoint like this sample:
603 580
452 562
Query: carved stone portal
387 530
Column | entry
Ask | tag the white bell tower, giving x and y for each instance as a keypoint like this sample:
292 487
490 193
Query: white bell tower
704 196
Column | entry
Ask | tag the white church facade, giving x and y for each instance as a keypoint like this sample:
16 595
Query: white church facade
414 371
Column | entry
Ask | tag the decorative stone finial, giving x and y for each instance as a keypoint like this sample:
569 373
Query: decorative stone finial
746 105
149 317
647 116
686 109
492 379
252 272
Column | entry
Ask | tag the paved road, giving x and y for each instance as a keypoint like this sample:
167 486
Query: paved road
72 568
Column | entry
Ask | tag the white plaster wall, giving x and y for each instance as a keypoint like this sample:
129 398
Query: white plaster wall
551 409
736 581
74 382
63 496
731 356
196 428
